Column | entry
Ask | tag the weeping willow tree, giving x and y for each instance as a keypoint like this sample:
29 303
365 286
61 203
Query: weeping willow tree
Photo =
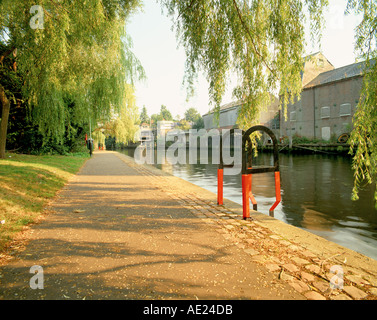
99 137
67 49
124 124
261 42
363 138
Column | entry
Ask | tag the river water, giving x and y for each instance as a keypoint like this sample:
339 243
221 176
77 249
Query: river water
316 196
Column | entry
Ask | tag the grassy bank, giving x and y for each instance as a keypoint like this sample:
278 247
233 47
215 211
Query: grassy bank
26 185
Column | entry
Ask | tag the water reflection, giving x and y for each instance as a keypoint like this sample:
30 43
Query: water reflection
316 196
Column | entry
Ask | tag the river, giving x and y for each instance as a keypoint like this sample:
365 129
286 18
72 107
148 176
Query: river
316 196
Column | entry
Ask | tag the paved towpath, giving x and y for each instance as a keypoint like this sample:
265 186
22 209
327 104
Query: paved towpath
112 234
119 230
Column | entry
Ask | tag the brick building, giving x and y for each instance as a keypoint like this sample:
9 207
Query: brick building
229 114
270 117
328 102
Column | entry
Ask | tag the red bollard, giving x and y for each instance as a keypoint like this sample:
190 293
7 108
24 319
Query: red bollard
253 201
247 195
246 189
220 185
277 193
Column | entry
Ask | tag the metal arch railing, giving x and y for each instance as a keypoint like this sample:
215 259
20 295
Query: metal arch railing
247 170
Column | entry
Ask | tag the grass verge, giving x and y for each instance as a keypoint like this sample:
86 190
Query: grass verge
27 183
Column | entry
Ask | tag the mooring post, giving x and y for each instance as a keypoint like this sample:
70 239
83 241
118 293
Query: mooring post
246 189
220 186
251 196
277 193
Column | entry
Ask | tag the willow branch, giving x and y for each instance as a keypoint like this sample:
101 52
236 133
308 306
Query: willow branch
251 38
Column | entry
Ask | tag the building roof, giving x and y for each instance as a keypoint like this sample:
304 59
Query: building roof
226 107
231 105
235 104
314 65
309 57
350 71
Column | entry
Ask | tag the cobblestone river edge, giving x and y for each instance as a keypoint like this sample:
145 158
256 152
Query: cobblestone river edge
300 258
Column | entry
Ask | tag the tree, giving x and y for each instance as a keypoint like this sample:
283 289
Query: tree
363 140
199 124
184 125
62 50
262 42
10 85
144 118
154 119
165 114
192 115
124 126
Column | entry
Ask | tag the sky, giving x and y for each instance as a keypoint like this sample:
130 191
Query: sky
155 45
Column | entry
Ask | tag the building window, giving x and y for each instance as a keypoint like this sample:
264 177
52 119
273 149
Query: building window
292 116
345 109
325 112
326 133
320 63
